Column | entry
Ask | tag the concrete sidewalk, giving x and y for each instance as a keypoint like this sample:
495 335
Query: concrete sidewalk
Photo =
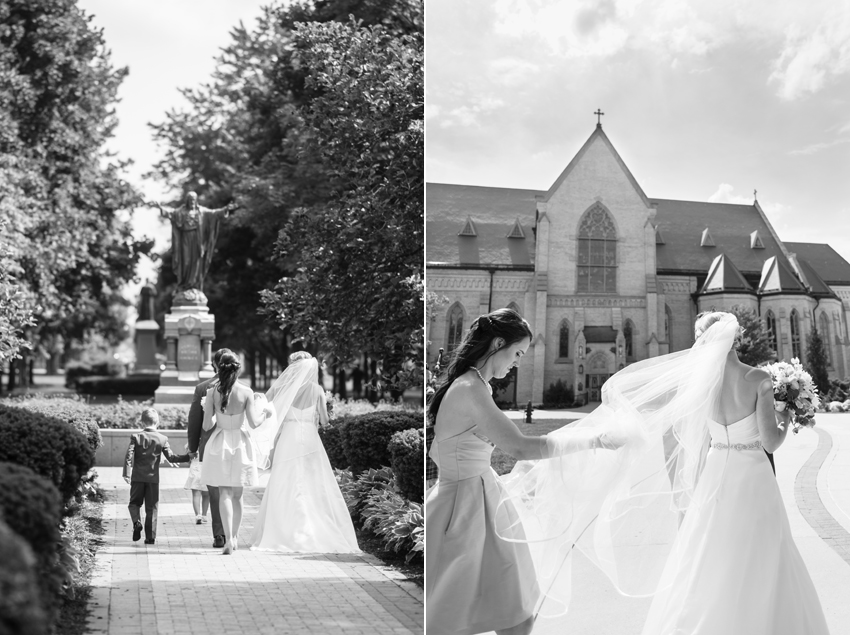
813 472
181 585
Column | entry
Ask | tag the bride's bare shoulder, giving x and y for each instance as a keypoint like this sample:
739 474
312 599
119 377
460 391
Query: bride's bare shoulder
756 375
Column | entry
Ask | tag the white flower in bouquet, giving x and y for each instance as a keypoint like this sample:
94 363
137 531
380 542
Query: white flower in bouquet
794 391
329 398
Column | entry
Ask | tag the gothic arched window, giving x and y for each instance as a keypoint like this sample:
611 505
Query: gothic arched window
454 330
597 252
564 339
628 334
824 334
795 334
770 322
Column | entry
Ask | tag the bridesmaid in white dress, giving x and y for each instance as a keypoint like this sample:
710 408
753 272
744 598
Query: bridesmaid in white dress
230 458
303 509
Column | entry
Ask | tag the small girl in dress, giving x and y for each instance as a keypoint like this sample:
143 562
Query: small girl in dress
200 494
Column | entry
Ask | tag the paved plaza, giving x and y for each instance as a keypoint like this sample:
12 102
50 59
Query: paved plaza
181 585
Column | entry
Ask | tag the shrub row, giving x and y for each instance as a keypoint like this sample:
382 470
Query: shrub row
31 507
380 439
376 505
131 385
46 444
76 370
74 412
21 608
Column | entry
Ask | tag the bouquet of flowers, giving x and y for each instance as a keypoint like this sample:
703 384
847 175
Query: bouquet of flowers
794 391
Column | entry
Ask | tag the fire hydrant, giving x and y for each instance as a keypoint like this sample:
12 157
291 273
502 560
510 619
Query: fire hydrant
528 412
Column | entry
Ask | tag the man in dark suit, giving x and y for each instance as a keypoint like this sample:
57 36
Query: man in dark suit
141 471
198 440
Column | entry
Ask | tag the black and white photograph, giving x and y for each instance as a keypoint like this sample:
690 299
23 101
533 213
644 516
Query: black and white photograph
637 259
212 372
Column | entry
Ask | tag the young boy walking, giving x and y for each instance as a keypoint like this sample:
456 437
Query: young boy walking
141 471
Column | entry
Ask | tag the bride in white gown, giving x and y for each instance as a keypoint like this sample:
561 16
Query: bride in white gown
688 511
303 509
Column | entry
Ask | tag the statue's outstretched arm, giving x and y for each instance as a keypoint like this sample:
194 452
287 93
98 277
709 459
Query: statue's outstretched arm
226 210
163 211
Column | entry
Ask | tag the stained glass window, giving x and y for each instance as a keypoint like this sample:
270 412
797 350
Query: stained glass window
597 252
770 321
795 335
824 334
455 327
564 340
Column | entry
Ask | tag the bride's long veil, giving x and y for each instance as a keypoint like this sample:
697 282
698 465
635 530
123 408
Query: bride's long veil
622 509
281 396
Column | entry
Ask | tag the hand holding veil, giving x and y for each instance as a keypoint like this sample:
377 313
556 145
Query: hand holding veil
281 396
622 508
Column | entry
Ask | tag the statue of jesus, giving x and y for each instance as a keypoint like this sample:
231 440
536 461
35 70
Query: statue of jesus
194 230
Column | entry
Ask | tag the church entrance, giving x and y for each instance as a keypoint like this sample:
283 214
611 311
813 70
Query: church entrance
594 386
598 372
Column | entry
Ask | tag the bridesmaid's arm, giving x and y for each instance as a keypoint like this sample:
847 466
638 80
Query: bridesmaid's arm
209 406
255 408
322 408
771 435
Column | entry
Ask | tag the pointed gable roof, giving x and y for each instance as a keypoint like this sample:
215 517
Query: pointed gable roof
597 135
817 286
723 275
829 265
777 277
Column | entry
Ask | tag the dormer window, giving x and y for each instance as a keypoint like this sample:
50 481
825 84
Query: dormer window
755 241
468 228
706 240
516 231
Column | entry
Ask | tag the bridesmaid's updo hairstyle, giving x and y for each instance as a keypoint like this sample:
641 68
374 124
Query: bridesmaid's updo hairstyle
707 318
475 346
228 371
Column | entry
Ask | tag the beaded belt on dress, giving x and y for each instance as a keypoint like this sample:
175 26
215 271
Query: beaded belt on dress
755 445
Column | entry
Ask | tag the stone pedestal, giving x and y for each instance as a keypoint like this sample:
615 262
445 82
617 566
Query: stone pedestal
189 332
146 331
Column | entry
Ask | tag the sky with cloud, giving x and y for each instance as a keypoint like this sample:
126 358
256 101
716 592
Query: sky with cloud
704 101
166 45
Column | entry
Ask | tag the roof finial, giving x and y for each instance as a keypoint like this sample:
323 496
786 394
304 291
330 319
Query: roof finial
599 114
755 196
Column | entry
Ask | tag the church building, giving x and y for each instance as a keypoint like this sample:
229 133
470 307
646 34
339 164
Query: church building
607 276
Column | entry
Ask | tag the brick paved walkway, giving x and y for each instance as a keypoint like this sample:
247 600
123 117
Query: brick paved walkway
181 585
810 504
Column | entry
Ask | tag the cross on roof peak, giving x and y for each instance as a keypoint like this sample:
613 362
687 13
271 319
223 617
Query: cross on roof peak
599 114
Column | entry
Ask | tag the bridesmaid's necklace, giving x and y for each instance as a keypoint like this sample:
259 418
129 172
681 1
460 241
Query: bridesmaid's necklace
486 383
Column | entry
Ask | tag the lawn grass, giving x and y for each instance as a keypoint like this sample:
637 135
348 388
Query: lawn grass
504 463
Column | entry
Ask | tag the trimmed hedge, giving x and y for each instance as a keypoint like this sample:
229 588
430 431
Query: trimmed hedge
407 460
365 437
50 447
32 507
132 385
20 605
72 411
126 415
332 440
77 370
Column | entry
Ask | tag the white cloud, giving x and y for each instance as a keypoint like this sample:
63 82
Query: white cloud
510 71
431 110
468 115
810 57
725 194
817 147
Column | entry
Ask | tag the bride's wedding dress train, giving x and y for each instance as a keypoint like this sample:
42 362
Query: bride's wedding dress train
303 509
735 569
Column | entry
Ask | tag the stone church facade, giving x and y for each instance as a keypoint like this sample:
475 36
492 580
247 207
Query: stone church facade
607 276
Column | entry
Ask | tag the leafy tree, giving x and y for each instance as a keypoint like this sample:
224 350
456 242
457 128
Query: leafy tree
15 314
247 136
59 189
358 285
817 362
755 346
